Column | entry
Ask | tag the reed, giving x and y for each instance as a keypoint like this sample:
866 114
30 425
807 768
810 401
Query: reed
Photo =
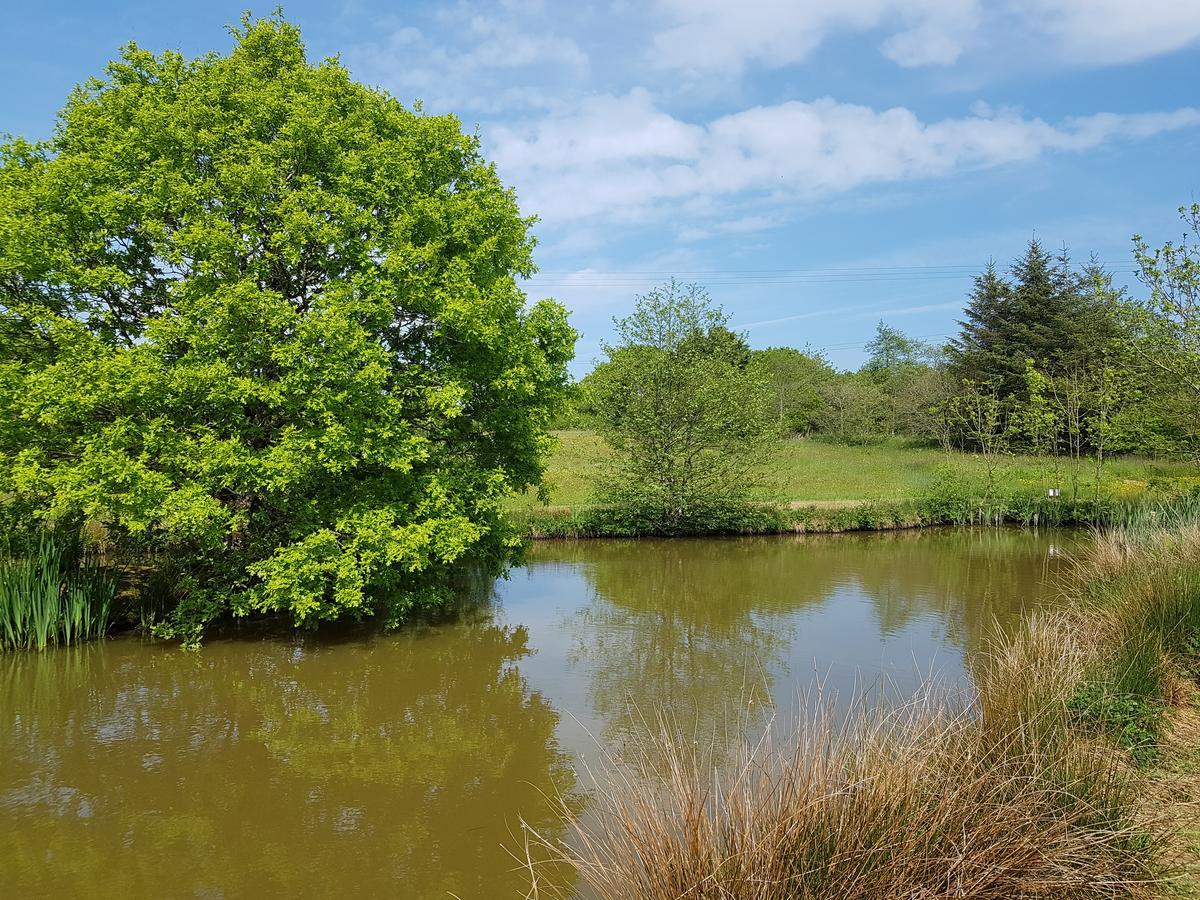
49 596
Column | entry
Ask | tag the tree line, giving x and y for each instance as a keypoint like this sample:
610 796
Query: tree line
1050 358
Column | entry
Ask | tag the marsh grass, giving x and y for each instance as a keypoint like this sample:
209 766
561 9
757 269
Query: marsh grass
51 595
1034 787
922 802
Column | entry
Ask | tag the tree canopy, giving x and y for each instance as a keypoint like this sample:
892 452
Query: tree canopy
266 319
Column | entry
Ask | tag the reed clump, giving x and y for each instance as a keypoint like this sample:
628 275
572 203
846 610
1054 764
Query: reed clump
51 596
1033 787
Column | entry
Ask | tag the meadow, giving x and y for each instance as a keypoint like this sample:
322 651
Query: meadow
802 470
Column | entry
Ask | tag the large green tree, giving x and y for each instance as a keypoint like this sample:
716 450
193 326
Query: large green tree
266 319
687 420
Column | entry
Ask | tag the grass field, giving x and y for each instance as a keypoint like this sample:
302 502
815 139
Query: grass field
805 470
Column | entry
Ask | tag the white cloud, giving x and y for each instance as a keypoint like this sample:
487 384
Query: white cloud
717 36
503 45
708 35
474 61
1114 31
623 159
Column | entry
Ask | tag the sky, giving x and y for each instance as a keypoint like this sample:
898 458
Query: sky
819 166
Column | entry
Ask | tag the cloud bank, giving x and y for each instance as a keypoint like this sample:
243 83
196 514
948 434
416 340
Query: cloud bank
622 158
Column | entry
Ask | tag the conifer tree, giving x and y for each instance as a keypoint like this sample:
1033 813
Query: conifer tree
1047 313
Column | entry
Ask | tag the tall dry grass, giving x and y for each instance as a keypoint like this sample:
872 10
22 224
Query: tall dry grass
925 802
1030 789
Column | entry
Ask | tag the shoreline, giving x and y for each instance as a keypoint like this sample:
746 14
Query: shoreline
844 516
1084 742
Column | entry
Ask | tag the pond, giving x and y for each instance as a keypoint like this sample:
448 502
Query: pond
402 765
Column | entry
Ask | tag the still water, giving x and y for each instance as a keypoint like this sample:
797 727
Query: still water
402 765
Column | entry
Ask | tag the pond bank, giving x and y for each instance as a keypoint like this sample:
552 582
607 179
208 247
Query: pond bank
838 516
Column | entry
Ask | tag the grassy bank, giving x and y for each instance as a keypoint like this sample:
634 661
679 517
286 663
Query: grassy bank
820 487
1062 778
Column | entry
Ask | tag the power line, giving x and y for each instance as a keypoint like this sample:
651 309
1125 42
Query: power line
733 277
896 268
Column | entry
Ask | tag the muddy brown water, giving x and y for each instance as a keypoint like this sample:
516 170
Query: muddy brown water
402 765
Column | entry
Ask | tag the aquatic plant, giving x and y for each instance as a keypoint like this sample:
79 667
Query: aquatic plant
50 596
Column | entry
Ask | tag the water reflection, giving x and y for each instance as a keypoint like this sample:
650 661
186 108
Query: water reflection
703 627
401 765
381 767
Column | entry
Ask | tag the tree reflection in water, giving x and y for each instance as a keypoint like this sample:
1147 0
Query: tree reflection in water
701 628
377 766
403 764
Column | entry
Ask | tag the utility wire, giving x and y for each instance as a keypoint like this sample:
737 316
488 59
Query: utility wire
830 275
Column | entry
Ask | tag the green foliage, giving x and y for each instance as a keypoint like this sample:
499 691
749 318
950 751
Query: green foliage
1133 720
1048 313
265 319
688 423
49 595
891 352
1168 320
853 410
796 380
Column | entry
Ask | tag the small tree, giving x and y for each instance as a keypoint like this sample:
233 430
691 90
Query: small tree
689 425
1034 421
1169 318
981 415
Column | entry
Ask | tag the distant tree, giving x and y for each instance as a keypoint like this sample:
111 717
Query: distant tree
982 346
891 352
720 342
265 321
894 361
855 409
795 379
921 400
689 426
982 417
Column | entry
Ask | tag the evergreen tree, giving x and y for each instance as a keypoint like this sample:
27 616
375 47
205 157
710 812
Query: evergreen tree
1047 313
978 351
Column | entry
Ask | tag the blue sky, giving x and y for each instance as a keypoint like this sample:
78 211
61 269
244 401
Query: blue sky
820 165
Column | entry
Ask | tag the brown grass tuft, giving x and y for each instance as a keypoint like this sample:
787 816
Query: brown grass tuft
918 803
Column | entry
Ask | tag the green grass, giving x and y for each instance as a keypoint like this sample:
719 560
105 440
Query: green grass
808 470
